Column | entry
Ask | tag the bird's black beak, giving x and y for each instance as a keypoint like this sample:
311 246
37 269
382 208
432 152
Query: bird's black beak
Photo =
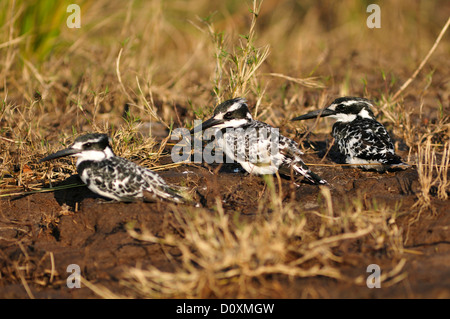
314 114
61 153
207 124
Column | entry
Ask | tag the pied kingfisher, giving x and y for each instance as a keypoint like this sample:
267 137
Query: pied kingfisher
256 146
114 177
359 137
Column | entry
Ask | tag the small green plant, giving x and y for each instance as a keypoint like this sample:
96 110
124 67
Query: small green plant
236 68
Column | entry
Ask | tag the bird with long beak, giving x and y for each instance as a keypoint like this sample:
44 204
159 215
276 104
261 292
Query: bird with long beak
255 145
362 140
114 177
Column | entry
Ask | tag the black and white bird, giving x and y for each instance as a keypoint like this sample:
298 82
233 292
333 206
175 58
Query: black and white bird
358 135
256 146
114 177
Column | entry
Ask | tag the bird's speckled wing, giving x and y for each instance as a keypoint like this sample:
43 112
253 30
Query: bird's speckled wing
124 180
365 139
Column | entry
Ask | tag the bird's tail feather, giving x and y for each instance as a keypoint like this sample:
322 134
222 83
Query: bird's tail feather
395 162
176 197
302 169
400 166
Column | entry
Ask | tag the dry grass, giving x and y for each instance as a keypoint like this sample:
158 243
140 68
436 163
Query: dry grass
432 174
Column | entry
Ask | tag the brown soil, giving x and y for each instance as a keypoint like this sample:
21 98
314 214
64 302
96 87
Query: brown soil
75 227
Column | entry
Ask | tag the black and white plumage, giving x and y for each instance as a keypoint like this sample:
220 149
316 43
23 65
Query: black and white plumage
358 135
255 145
114 177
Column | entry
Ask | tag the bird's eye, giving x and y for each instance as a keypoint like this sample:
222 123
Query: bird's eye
227 115
87 145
